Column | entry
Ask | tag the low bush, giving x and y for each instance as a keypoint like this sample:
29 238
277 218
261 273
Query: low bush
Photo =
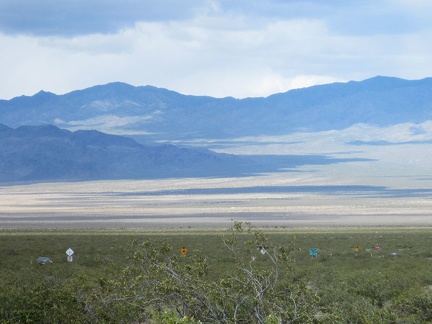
241 276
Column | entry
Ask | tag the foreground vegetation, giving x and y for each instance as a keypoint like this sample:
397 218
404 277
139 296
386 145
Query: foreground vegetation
241 275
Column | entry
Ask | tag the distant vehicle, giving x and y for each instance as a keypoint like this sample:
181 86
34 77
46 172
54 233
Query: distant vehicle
43 260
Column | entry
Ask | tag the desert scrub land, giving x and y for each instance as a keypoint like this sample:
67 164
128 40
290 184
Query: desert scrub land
234 275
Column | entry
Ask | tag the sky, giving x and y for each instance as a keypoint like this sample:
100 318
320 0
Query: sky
219 48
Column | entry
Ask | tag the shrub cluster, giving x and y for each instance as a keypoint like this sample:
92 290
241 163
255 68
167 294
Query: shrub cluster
260 282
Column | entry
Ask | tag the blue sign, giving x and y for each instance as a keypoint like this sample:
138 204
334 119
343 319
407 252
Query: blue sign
313 252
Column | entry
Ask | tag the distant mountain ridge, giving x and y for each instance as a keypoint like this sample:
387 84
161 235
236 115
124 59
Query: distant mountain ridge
48 153
45 152
163 115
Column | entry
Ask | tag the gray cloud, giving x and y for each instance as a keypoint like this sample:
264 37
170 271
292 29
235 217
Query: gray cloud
77 17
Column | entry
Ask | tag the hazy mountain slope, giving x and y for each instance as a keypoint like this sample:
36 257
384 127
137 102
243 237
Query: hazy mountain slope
161 114
34 153
48 153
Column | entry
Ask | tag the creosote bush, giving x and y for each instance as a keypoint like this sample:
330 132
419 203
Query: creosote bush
257 288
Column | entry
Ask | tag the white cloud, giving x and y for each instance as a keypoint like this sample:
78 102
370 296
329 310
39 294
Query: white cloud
220 48
412 4
304 81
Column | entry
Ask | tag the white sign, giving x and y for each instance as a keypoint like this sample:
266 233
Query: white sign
69 252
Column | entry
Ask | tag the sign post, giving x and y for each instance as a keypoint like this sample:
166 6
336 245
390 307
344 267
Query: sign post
69 253
356 249
313 252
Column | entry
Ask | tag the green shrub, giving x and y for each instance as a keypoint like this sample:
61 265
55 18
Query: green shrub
415 305
243 275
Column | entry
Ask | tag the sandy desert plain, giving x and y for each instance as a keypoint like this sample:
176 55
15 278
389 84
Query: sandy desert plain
273 200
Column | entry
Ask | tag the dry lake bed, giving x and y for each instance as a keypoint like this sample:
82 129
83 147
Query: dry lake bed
275 200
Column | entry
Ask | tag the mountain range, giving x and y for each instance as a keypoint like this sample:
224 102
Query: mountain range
119 131
153 114
46 152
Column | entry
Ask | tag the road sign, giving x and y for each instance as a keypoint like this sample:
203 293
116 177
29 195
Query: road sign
183 251
356 248
313 252
69 253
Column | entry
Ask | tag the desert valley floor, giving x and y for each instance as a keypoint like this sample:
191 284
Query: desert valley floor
274 200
